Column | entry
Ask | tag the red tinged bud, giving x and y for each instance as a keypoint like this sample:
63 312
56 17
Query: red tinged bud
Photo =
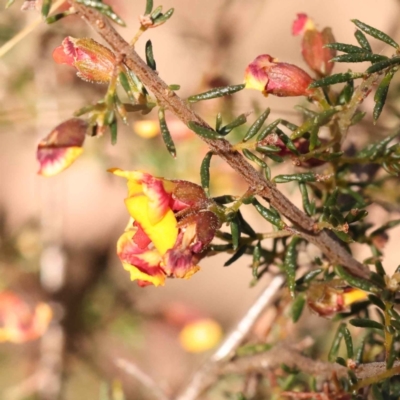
269 76
61 147
312 47
93 61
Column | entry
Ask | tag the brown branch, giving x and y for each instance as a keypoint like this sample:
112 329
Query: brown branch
332 249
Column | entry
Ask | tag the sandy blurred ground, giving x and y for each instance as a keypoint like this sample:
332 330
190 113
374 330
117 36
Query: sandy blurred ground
84 205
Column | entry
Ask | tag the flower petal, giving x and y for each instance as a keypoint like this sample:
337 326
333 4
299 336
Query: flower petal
163 234
143 264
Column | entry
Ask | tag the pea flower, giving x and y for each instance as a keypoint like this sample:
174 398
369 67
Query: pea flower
170 229
269 76
314 53
61 147
93 61
328 299
19 321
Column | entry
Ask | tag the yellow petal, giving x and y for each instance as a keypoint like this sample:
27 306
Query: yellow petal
158 279
163 234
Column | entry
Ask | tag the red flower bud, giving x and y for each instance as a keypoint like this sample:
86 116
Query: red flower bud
280 79
94 62
312 47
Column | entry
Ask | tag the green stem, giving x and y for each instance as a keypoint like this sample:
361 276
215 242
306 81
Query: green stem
375 378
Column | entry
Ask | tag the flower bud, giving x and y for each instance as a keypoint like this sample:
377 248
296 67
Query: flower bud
94 62
315 55
61 147
280 79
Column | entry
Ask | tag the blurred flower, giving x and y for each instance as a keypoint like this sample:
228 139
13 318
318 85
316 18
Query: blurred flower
61 147
329 298
147 129
19 322
269 76
200 335
94 62
315 55
170 231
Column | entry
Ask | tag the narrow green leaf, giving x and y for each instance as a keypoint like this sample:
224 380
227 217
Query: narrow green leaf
287 141
57 17
359 57
297 307
353 280
381 94
346 48
348 341
336 78
150 56
235 232
333 352
357 117
252 157
245 227
149 7
205 172
310 276
256 259
240 120
289 125
203 131
314 140
165 133
290 264
341 361
362 41
174 87
355 215
309 208
268 214
239 253
113 130
302 177
217 92
267 130
377 301
218 122
377 34
46 5
366 323
156 13
163 18
381 65
268 149
256 125
346 93
360 351
123 80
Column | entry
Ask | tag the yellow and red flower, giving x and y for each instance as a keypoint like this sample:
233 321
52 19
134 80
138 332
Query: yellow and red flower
314 53
93 61
329 298
19 321
170 229
61 147
269 76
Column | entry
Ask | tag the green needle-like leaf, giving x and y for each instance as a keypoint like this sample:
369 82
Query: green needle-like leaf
376 33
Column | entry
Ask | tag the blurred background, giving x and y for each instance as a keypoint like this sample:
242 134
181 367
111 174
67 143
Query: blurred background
59 271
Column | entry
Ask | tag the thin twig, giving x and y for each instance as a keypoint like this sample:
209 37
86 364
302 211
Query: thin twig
168 99
205 376
26 31
142 377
